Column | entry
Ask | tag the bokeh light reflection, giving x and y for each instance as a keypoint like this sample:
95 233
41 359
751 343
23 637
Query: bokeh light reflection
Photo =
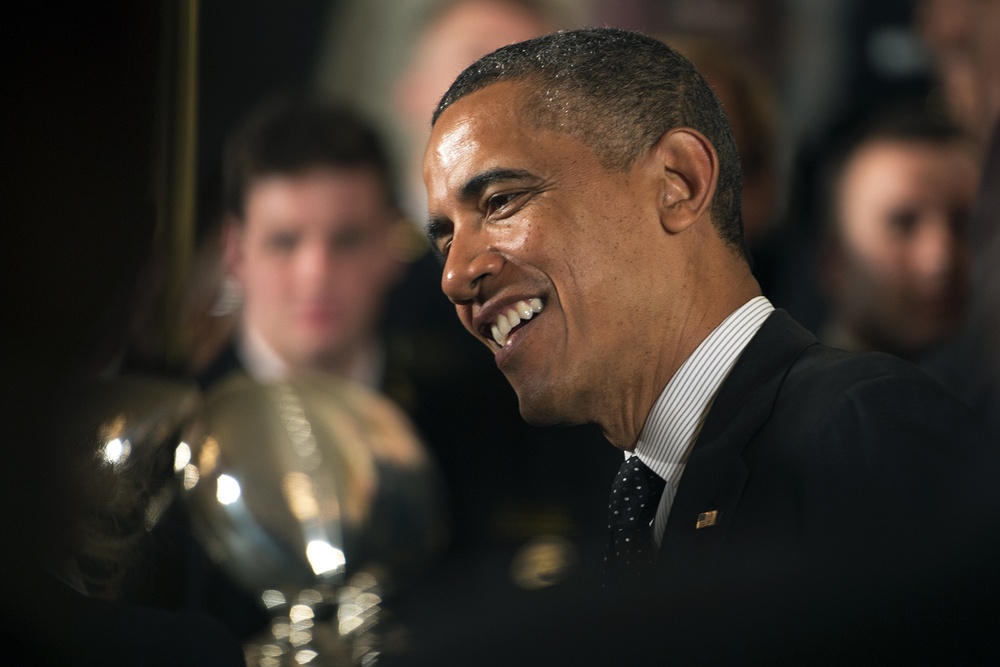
300 637
299 613
272 598
182 456
325 558
208 457
281 628
228 491
117 450
310 597
191 476
305 656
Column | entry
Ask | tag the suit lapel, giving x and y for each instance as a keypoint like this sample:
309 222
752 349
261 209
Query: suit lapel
713 480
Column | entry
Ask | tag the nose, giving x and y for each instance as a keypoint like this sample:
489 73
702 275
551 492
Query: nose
470 262
937 250
315 263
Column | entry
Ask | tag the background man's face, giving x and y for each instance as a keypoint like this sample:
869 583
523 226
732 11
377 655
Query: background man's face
313 259
466 32
525 213
903 270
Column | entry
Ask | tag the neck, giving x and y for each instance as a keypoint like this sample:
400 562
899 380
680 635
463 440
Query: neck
361 363
684 329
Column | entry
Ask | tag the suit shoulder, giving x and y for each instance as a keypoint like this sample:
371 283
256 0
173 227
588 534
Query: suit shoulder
830 369
842 401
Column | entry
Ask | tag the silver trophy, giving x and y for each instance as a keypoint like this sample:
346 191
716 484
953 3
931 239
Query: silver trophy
315 494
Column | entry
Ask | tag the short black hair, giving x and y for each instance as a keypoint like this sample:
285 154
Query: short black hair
618 92
289 135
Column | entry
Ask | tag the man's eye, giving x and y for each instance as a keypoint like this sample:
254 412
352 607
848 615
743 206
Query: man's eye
350 239
497 203
903 222
442 248
283 242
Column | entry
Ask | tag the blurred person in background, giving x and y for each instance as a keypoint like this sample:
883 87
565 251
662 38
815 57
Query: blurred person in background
961 36
308 242
895 263
307 248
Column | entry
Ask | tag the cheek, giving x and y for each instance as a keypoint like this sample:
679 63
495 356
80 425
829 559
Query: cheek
880 253
265 281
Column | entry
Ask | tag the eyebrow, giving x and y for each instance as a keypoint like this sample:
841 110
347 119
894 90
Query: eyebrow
475 185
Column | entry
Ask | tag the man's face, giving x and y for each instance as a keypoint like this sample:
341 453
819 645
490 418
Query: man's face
313 259
903 270
532 225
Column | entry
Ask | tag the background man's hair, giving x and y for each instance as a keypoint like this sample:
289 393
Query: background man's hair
287 136
618 92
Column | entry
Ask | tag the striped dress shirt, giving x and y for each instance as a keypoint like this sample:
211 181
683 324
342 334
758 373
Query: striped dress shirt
678 414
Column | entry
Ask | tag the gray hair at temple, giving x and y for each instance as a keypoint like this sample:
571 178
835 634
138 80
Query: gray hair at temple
618 92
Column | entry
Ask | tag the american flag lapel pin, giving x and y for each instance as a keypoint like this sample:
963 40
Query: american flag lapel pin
706 519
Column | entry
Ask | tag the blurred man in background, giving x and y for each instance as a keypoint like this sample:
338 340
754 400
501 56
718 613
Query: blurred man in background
310 216
307 243
962 38
896 266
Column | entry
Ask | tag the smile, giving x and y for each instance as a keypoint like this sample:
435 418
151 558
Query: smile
512 317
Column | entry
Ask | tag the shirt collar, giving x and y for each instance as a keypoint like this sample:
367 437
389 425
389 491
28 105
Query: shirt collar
679 412
264 364
258 358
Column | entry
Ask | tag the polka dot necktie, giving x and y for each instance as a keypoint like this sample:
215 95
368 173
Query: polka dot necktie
635 496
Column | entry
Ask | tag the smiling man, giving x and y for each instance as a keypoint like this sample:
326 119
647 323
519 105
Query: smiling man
584 193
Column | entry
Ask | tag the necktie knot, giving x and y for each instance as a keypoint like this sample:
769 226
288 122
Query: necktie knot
635 497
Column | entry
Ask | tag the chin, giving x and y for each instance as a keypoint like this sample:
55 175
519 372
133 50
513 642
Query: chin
543 411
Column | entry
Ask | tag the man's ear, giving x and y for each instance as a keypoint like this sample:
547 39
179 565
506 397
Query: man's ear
232 245
689 169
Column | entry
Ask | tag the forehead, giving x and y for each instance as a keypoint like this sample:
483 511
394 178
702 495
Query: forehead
330 187
490 128
322 200
491 112
883 167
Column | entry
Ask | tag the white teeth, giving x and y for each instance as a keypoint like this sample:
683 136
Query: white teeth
510 318
503 325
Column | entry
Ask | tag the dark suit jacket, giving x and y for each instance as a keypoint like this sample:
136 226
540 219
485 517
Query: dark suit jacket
834 497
